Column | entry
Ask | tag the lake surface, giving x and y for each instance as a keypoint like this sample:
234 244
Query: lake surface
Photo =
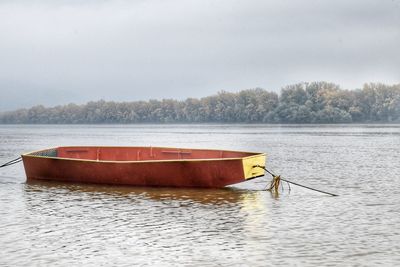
59 224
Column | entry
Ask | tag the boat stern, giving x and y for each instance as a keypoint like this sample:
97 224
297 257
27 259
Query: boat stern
249 170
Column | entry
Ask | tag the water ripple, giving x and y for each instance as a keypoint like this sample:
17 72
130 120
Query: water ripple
58 224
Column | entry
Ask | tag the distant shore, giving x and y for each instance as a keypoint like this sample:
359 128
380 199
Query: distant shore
305 103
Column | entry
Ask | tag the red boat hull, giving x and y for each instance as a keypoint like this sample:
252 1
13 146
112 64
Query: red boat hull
141 166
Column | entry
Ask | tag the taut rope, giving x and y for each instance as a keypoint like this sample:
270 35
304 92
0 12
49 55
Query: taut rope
11 162
276 179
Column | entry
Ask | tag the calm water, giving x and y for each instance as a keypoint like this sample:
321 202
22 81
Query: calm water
72 224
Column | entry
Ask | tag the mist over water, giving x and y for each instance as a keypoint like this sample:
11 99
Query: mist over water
58 224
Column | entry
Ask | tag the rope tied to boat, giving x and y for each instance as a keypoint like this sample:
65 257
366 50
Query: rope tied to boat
11 162
276 181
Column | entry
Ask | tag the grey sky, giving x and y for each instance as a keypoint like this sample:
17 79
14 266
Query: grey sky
56 52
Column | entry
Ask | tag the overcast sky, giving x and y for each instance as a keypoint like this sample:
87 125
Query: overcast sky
56 52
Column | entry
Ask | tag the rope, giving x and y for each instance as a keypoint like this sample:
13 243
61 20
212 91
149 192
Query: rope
276 179
11 162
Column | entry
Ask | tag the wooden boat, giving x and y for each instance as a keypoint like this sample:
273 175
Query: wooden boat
144 166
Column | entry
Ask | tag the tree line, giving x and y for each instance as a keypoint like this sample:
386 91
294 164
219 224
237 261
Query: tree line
315 102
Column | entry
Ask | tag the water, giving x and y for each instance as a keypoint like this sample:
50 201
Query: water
58 224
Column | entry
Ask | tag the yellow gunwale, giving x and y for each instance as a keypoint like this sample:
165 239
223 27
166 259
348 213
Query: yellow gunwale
257 154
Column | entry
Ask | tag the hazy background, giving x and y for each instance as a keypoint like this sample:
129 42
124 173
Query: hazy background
56 52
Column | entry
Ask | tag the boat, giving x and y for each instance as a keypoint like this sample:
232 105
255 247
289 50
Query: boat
143 166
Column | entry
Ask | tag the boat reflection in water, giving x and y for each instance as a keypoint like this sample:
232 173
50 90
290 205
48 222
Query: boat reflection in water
147 226
228 195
